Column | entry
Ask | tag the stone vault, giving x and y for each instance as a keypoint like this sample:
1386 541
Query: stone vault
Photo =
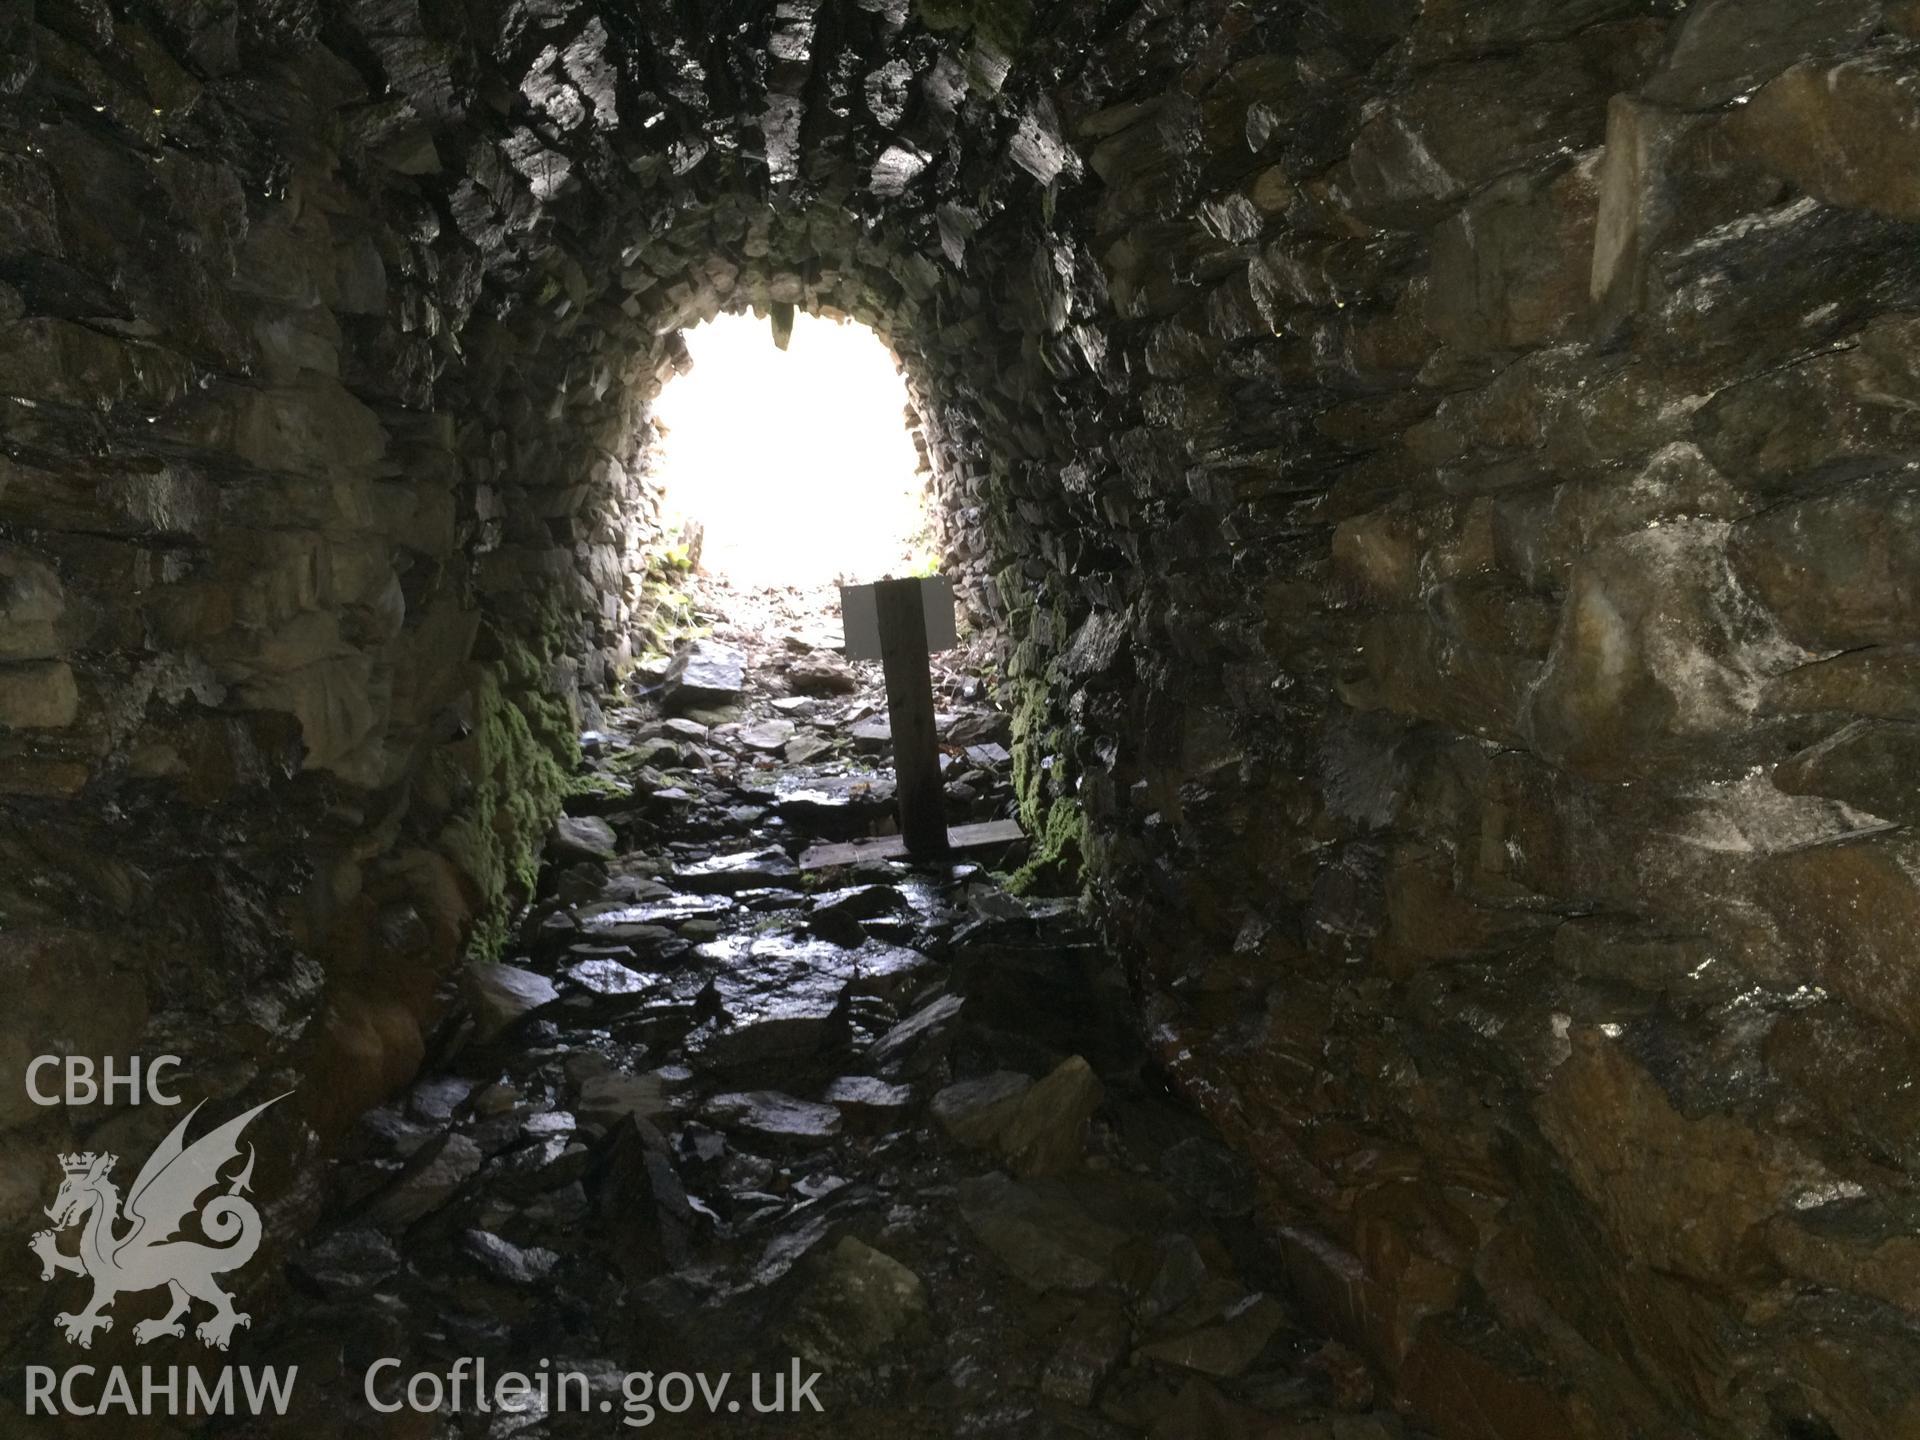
1442 473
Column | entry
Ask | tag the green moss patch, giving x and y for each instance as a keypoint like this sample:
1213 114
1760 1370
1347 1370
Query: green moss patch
1058 860
512 772
1003 24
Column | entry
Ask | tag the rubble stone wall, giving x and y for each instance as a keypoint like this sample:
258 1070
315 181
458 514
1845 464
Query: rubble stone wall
1443 472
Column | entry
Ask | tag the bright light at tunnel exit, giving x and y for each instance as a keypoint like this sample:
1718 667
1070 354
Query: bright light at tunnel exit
798 465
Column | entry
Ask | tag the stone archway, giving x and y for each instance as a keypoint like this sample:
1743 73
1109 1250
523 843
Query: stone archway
1440 472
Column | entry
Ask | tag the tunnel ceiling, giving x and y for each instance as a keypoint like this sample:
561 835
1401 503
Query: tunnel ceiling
1441 473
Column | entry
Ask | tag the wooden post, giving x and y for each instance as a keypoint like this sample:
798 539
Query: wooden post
916 754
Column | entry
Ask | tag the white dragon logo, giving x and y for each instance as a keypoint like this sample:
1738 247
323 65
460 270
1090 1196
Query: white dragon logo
147 1255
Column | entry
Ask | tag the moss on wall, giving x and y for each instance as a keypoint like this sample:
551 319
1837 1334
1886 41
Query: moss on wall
1034 739
1001 23
514 769
1058 860
1053 820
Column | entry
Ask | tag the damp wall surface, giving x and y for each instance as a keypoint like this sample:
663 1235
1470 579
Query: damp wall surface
1442 474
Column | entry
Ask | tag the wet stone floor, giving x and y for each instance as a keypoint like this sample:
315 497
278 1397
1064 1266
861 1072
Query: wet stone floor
720 1119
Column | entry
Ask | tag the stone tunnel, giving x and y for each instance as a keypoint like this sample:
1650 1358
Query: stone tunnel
1437 478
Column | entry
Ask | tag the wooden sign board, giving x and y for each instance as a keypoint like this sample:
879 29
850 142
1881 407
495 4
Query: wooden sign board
860 617
898 623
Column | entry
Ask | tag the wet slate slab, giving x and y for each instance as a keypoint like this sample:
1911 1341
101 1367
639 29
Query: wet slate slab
742 870
509 1262
771 1116
671 910
705 674
607 978
832 804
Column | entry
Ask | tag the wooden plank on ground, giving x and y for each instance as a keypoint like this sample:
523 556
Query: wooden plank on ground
892 847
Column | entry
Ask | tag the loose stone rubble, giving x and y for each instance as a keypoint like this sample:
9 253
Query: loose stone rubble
712 1141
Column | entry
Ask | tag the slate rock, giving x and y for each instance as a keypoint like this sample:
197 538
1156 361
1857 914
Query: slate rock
1035 1128
500 994
1096 1344
606 977
803 748
1647 616
868 1103
1208 1176
771 1116
1881 681
1228 1345
1843 132
1872 765
610 1097
919 1042
749 869
859 1301
704 675
821 672
860 902
38 695
1724 48
1039 1232
583 837
435 1099
1841 570
643 1204
429 1180
509 1262
1046 1133
974 1112
350 1261
768 735
766 1035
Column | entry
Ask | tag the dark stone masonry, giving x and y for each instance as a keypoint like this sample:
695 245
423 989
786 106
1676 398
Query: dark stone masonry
1439 479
